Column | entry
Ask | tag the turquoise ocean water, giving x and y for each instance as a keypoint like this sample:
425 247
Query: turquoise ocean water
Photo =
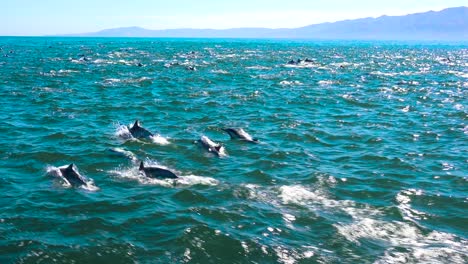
363 153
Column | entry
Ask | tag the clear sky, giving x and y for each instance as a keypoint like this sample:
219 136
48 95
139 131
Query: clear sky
43 17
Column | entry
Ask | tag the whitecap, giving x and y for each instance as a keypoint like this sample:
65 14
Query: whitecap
220 71
190 180
297 195
325 82
289 83
258 68
285 256
404 199
110 81
301 65
459 106
389 74
317 200
67 71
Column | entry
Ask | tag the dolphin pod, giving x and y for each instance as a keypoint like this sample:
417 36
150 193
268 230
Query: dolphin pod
299 61
70 172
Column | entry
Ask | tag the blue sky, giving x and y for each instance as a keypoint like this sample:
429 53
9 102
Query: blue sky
42 17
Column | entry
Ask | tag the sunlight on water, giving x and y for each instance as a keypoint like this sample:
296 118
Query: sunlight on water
361 155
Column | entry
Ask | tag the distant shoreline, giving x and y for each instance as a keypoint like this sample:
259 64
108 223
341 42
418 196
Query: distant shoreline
449 24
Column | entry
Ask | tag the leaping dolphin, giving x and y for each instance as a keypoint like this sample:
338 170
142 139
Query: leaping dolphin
157 172
139 132
239 133
211 146
72 176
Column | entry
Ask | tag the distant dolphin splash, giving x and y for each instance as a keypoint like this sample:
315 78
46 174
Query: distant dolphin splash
299 61
239 133
157 172
211 146
137 131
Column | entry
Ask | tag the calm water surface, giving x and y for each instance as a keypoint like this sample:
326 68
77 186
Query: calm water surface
363 153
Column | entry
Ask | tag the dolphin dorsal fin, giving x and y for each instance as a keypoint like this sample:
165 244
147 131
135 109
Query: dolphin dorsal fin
137 123
218 148
142 167
70 167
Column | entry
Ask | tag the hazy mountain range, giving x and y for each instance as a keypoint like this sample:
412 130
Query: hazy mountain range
447 24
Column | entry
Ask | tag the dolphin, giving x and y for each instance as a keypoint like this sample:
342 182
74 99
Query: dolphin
211 146
139 132
72 176
157 172
239 133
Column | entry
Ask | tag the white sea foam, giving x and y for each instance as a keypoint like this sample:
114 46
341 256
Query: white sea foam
258 68
286 256
325 82
459 107
290 83
220 71
160 140
301 65
435 247
122 131
189 180
389 74
64 72
404 205
406 109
